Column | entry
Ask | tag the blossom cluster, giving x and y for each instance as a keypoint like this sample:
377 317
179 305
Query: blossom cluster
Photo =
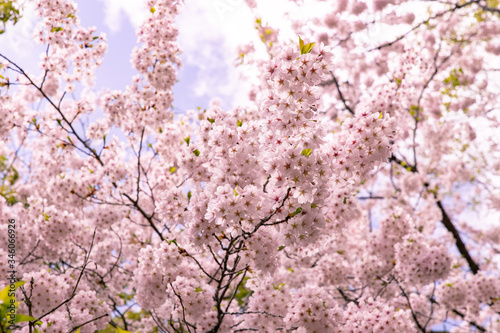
60 30
148 99
318 207
48 291
418 261
374 316
158 54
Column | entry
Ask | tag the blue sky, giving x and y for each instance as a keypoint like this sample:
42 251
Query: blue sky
209 34
210 31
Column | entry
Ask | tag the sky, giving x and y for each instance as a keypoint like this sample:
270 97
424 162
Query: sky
209 34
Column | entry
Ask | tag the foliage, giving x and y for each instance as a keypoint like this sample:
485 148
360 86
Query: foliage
8 13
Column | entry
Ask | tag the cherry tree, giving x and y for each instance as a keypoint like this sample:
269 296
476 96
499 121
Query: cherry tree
356 191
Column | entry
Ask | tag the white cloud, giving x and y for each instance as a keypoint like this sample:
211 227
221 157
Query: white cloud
209 34
116 10
17 41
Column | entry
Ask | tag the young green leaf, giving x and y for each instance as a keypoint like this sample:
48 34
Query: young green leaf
301 44
307 48
4 294
306 152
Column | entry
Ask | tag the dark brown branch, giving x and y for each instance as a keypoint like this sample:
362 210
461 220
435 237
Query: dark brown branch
446 222
264 220
473 323
458 240
254 312
457 6
422 329
490 9
341 96
73 293
87 322
58 109
146 216
405 165
188 325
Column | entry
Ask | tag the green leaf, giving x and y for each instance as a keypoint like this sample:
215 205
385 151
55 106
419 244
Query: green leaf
172 169
307 48
297 211
198 289
172 241
314 205
278 286
242 292
46 216
211 120
301 44
70 16
56 29
281 247
345 200
125 296
4 294
12 177
189 195
413 110
306 152
239 123
22 318
196 152
454 78
8 13
152 10
187 140
398 81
